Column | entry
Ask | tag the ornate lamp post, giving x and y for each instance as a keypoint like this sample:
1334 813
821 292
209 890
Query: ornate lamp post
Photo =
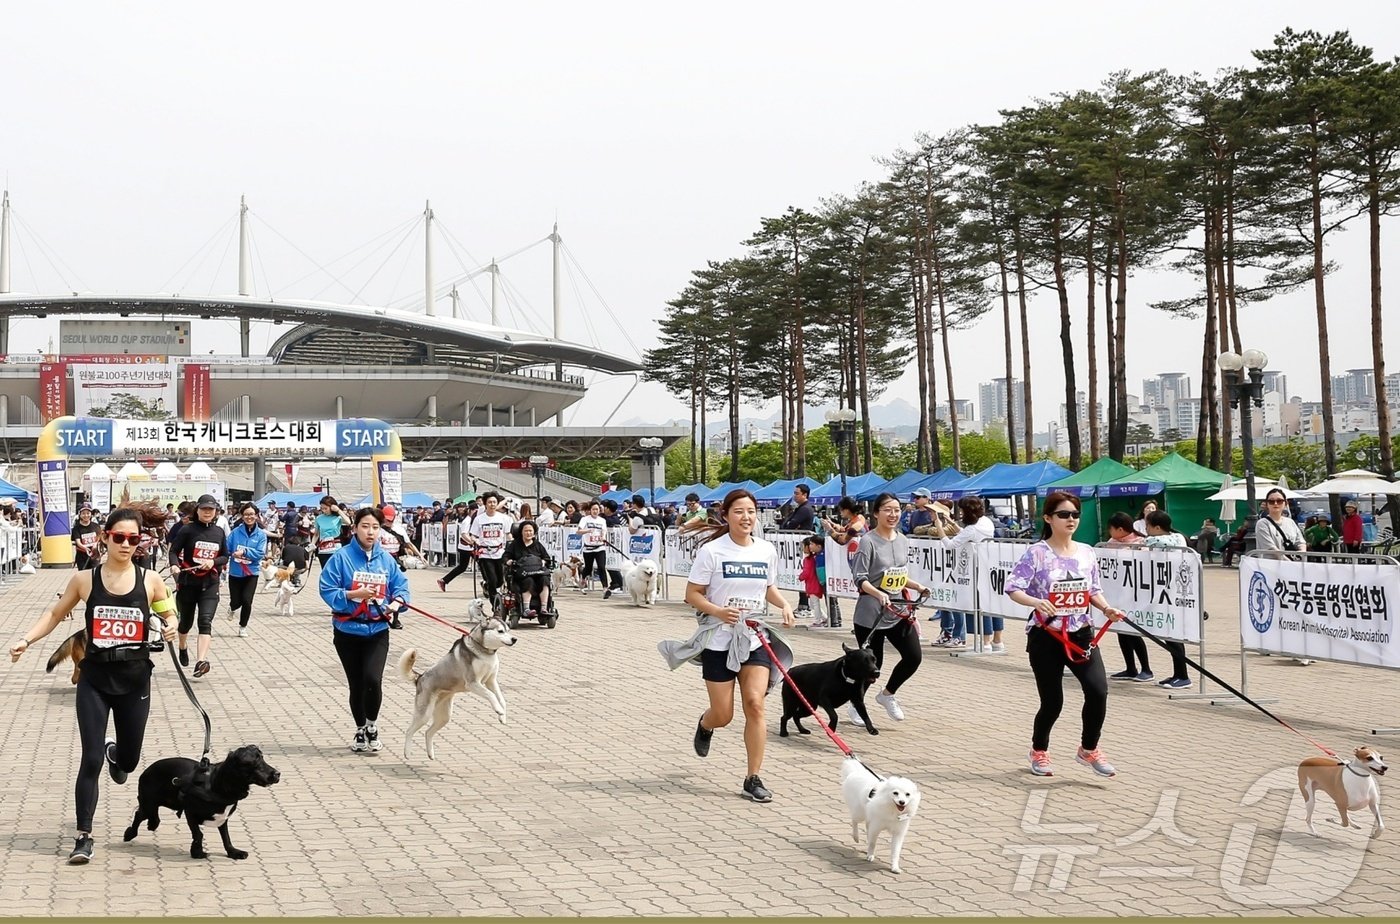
1244 376
651 453
842 423
537 465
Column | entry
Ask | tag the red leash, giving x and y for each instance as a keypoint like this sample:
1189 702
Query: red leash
772 656
409 606
906 608
1073 652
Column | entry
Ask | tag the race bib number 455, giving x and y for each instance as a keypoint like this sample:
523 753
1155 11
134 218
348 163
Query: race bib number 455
117 625
1070 596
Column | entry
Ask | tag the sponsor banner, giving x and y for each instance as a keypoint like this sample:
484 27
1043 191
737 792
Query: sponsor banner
134 392
101 495
450 532
680 551
1333 610
53 497
197 392
76 337
390 476
432 538
995 559
114 359
947 570
127 438
789 546
53 390
645 544
1159 589
162 492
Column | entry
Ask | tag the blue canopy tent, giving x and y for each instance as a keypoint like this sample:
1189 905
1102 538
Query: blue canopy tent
1005 480
900 486
617 494
943 478
716 494
14 491
301 499
829 494
778 493
411 499
677 495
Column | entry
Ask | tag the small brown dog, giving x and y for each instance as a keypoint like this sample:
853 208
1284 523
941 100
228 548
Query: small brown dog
1352 785
75 647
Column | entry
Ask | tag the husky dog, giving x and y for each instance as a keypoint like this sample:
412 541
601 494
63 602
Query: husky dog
881 805
640 581
471 664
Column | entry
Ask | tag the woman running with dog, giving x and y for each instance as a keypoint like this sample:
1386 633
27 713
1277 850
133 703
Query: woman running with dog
734 577
1058 579
120 599
197 557
362 585
247 547
881 574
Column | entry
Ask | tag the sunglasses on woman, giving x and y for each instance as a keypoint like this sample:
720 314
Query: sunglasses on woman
125 538
1066 514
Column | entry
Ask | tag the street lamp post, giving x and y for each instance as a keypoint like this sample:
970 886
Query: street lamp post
1244 377
537 465
651 453
842 423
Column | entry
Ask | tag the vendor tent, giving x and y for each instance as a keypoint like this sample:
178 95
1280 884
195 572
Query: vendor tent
1005 479
410 500
716 494
1085 484
936 482
1181 487
829 494
13 491
900 486
300 499
677 495
778 493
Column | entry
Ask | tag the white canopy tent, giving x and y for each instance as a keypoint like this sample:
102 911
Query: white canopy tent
165 471
1355 481
132 471
200 471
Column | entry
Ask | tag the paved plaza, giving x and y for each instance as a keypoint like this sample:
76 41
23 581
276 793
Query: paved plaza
590 800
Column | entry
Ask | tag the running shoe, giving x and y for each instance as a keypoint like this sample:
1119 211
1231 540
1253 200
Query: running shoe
372 737
891 705
1096 762
998 648
854 717
442 585
1124 675
702 739
184 657
201 668
755 790
1175 683
1040 763
82 850
1144 677
361 742
607 594
242 631
109 751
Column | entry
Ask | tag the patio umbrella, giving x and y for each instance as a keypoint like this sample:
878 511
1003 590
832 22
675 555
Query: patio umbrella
1262 486
1227 500
1354 481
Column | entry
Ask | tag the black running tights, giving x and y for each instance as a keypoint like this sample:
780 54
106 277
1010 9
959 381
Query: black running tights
1048 661
596 563
363 658
463 559
196 599
904 640
493 575
241 591
129 712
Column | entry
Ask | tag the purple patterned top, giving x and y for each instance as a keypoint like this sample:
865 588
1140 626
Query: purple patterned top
1040 567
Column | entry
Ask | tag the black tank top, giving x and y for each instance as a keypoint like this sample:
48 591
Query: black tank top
117 620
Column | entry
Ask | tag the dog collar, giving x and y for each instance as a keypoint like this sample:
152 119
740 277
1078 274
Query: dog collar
1349 766
475 646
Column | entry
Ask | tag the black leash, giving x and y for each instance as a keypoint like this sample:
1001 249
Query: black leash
189 691
1326 750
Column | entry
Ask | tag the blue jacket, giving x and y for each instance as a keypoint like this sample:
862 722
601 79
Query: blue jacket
254 542
339 575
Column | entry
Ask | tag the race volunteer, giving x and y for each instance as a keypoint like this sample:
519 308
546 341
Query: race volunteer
490 532
197 557
329 524
247 547
593 534
362 585
85 544
116 671
1058 578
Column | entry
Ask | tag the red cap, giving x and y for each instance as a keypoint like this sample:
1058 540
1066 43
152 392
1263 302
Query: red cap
389 511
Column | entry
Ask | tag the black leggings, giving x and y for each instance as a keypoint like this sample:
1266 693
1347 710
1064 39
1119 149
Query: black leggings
194 598
904 640
463 559
1048 661
363 658
493 575
241 591
1134 649
129 712
595 563
1178 652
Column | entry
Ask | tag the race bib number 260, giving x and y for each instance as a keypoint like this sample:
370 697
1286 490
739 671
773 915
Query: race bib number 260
117 625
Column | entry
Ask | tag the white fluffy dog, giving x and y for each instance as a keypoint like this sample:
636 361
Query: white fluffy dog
286 590
413 563
881 805
640 581
569 573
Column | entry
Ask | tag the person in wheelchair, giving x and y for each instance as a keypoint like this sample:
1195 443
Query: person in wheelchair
528 565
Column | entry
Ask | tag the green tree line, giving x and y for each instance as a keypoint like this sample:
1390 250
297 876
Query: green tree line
1241 179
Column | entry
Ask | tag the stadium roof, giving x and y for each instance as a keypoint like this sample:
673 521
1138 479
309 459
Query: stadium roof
327 323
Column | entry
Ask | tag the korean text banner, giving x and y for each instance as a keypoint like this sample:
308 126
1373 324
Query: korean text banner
1159 589
946 569
138 391
1338 611
118 438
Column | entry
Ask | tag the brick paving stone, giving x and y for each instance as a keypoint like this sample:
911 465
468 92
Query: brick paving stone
590 801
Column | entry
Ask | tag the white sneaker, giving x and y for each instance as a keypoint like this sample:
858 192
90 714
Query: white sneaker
998 648
854 717
242 631
891 705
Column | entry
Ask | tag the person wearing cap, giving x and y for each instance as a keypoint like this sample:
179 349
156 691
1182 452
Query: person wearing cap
85 534
247 547
921 515
329 524
393 537
1320 536
546 517
1353 531
197 558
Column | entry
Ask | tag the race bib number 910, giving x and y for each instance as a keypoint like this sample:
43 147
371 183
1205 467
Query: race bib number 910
1070 596
894 580
117 625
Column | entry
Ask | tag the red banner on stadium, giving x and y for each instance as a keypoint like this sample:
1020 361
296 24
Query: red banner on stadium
197 392
53 390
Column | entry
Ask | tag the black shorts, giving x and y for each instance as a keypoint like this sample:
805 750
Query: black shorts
714 665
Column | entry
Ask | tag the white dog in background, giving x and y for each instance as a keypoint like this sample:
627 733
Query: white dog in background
413 563
881 805
286 590
639 579
569 573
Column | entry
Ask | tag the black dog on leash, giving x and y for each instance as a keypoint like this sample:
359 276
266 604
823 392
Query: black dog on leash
828 685
206 797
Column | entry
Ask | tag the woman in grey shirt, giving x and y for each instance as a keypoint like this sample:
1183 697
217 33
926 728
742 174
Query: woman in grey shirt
881 573
1275 532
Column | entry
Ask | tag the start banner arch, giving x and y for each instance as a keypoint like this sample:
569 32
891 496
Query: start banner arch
101 438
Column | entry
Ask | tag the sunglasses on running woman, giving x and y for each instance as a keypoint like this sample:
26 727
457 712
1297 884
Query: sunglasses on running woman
125 538
1066 514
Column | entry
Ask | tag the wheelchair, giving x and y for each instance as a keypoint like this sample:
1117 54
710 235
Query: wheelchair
513 593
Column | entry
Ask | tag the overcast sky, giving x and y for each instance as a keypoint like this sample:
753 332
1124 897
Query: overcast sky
656 134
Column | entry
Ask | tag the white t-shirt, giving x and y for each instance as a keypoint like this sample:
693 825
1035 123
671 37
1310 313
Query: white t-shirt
391 540
982 530
737 576
595 533
546 518
492 532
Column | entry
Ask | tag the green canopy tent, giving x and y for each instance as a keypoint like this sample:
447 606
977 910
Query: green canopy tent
1085 483
464 498
1178 485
